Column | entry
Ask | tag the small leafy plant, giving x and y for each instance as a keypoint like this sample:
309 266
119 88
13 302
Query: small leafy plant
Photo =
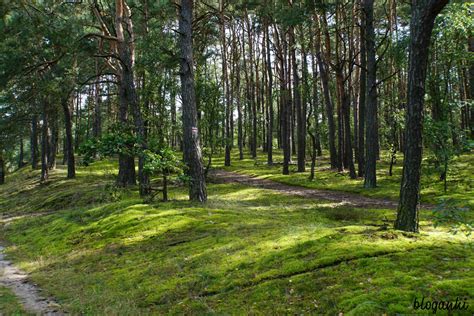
450 214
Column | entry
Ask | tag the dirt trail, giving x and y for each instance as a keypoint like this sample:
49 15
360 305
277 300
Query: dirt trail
343 198
27 292
17 280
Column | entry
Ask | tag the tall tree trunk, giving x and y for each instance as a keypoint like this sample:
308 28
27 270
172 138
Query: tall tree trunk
44 142
227 103
269 99
423 15
300 115
127 80
69 153
362 98
21 155
192 148
126 174
54 141
329 111
97 125
370 177
34 141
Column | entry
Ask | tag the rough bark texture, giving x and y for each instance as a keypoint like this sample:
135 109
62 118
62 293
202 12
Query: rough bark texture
423 15
127 56
192 148
362 99
370 178
126 174
69 153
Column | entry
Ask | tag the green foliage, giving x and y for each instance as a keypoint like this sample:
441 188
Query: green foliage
448 213
116 141
163 162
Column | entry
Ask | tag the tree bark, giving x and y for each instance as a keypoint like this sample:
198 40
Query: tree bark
300 115
362 98
423 15
34 141
192 148
370 177
269 99
329 110
44 142
71 168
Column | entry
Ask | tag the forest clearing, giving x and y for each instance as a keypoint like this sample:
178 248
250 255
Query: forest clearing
216 157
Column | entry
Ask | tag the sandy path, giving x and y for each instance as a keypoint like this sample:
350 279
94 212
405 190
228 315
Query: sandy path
343 198
27 292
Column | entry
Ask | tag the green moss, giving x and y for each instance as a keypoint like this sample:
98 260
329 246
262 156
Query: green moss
9 304
245 251
460 179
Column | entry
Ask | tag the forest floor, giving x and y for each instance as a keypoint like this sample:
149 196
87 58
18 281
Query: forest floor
98 249
460 180
340 197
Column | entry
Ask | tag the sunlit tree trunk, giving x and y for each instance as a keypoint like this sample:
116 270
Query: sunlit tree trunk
192 147
423 15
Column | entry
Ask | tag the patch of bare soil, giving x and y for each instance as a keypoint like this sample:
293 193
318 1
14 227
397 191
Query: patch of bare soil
342 198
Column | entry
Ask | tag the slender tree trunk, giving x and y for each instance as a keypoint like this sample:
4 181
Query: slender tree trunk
69 153
34 141
192 148
44 142
370 177
269 100
300 115
423 15
97 125
228 112
329 111
21 155
362 97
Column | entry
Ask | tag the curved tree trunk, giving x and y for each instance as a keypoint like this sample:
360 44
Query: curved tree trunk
423 15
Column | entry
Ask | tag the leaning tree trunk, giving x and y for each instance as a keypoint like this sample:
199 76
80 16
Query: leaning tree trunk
192 148
423 15
370 178
69 153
